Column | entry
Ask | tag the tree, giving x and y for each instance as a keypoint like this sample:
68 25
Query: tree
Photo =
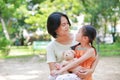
102 12
40 14
6 14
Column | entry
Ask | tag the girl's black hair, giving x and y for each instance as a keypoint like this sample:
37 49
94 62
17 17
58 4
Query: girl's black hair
73 47
54 21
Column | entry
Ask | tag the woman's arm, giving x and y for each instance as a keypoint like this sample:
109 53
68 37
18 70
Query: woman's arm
50 57
87 55
52 68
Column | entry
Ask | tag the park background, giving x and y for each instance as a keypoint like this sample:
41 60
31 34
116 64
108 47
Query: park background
23 33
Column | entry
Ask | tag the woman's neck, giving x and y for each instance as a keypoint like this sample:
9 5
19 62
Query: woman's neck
64 39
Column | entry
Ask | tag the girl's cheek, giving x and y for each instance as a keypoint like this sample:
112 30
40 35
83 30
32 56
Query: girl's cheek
77 38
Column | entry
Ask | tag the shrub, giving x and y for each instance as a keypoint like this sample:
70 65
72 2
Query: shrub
4 46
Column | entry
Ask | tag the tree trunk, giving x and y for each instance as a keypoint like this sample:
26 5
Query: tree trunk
4 29
105 28
114 30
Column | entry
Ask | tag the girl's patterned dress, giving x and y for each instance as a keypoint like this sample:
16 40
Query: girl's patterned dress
68 77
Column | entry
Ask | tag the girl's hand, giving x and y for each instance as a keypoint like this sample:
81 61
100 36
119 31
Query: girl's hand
84 73
58 72
58 66
53 72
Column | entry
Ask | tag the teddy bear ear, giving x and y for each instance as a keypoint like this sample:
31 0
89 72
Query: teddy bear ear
63 53
73 51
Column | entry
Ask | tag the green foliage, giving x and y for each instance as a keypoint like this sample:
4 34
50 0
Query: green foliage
100 10
32 14
39 18
118 39
4 43
0 27
21 12
36 1
45 37
7 8
2 5
4 46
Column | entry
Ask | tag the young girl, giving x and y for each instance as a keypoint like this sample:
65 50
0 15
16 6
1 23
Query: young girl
85 52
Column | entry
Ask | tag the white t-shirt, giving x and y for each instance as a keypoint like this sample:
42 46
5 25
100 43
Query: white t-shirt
55 50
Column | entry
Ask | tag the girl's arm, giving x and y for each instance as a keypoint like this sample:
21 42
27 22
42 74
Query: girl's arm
95 63
88 71
87 55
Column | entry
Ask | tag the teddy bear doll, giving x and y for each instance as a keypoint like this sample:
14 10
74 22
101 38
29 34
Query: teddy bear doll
68 57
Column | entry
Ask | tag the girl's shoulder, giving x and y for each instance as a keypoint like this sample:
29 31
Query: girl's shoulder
91 50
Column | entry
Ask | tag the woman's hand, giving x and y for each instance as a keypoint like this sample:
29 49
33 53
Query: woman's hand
84 73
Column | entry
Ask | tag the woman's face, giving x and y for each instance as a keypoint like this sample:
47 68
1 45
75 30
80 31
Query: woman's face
64 27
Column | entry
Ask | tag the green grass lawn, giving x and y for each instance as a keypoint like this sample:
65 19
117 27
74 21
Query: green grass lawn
23 51
109 49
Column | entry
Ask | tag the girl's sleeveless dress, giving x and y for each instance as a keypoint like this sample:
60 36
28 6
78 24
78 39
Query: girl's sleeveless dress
86 64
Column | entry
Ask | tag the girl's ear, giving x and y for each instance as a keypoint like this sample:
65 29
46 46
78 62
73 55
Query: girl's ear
86 38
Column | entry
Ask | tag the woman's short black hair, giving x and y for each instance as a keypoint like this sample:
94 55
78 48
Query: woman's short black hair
54 21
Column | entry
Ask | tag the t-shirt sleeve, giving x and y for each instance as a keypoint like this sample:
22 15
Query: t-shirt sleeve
50 54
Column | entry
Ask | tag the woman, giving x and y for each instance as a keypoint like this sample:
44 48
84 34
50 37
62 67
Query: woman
58 26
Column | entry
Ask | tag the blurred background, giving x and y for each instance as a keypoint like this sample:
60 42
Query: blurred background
23 35
24 21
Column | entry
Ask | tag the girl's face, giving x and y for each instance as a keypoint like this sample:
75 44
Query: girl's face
79 35
64 27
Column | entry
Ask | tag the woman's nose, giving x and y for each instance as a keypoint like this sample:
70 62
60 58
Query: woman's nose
67 26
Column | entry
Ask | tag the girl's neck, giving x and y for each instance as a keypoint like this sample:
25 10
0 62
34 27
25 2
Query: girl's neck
85 45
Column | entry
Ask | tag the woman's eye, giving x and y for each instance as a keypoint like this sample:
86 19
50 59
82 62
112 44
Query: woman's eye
63 24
